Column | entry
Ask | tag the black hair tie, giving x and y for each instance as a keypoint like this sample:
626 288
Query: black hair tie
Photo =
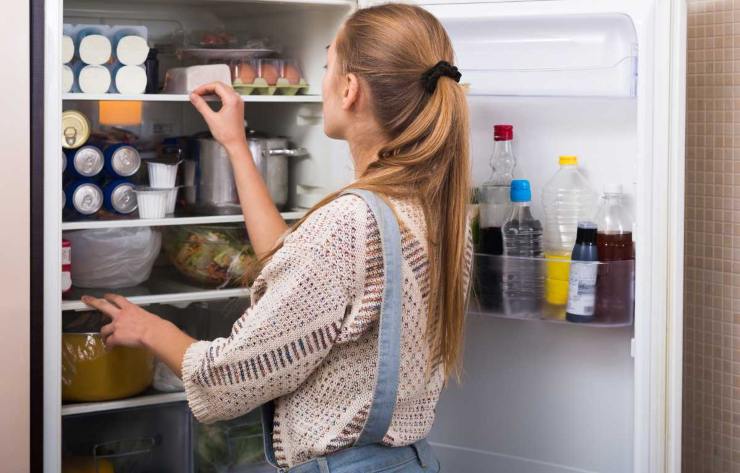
441 69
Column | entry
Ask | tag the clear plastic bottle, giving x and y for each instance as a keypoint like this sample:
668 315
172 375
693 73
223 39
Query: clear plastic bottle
615 285
522 235
494 205
494 194
567 198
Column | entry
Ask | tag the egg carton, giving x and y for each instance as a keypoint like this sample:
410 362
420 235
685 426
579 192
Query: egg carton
261 87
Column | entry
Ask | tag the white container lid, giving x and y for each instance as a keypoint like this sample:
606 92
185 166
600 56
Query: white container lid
68 49
131 80
132 50
94 79
68 78
95 49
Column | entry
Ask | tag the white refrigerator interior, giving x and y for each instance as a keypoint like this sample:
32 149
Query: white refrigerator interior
596 79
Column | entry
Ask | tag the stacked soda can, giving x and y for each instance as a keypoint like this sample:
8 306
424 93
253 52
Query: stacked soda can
99 175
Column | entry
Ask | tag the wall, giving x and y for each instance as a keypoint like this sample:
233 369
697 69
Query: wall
14 237
711 415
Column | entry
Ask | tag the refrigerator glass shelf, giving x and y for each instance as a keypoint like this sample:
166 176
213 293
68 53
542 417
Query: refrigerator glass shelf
164 286
165 222
148 399
186 98
496 275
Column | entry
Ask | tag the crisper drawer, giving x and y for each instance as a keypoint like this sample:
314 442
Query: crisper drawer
142 440
233 446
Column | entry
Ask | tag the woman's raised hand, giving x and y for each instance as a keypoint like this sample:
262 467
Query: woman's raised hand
226 124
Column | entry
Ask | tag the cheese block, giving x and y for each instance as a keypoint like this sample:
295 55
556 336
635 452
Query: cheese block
183 80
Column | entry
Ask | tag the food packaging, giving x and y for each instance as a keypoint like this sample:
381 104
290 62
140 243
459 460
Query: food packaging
290 71
93 79
162 175
113 257
68 79
130 80
165 380
131 49
171 200
211 255
152 202
93 46
269 70
93 372
183 80
68 49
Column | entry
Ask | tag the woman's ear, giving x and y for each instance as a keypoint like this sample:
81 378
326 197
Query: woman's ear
351 93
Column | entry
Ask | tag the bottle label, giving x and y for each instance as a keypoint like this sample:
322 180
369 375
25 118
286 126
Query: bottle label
582 288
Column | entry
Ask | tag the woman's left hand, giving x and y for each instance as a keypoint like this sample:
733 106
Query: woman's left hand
130 325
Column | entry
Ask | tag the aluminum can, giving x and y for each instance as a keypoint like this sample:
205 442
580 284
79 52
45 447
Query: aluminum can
84 196
75 129
86 161
66 266
121 160
119 197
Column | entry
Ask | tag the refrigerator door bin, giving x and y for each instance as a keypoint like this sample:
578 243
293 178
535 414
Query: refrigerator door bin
542 55
230 446
519 288
131 440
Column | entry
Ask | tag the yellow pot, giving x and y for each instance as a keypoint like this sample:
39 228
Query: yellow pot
86 465
91 372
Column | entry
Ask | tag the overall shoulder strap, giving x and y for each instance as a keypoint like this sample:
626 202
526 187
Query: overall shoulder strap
389 326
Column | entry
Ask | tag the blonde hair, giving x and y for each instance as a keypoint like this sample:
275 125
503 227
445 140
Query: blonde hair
390 47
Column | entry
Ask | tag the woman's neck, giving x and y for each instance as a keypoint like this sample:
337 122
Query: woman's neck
364 146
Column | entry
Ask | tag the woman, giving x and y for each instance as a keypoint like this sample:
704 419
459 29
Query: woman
356 319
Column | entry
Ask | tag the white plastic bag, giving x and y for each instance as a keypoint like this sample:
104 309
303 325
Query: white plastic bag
113 257
165 380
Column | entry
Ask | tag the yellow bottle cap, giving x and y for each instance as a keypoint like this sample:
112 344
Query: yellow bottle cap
568 160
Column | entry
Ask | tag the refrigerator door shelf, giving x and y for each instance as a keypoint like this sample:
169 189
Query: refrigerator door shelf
545 55
500 284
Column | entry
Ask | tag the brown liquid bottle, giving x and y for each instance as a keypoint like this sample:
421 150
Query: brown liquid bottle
615 280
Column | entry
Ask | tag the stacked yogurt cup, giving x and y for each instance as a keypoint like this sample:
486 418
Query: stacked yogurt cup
158 199
106 59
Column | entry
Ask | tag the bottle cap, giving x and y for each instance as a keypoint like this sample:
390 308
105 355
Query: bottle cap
568 160
612 188
503 132
520 191
586 234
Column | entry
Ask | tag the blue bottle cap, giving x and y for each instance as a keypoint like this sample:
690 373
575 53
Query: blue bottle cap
520 191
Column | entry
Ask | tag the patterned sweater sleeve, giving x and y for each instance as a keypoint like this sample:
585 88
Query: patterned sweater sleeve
302 295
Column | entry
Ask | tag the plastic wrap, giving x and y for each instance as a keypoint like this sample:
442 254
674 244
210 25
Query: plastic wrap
216 255
113 257
165 380
93 372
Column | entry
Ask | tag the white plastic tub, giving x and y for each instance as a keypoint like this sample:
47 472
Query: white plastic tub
152 202
162 175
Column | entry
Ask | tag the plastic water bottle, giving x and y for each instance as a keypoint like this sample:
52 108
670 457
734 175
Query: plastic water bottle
522 234
568 198
494 207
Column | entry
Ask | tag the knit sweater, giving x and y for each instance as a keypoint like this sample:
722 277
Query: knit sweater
309 339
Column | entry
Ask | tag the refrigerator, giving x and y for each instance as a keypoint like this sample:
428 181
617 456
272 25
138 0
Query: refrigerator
600 79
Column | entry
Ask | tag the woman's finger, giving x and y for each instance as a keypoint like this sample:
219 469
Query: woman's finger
201 105
102 305
118 300
225 93
106 331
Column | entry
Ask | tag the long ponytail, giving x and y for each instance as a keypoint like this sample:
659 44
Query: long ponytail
391 46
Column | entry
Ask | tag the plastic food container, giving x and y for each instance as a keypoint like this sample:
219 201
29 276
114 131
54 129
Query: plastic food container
171 200
212 255
152 202
290 71
162 175
269 70
92 372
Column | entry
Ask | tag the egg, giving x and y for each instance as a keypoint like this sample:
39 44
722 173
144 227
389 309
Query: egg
247 73
292 74
270 73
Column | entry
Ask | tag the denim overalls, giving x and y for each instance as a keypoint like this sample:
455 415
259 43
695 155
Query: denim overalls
368 455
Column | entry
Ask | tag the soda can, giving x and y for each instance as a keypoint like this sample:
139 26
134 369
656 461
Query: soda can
86 161
119 197
121 160
75 129
66 266
64 161
84 196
